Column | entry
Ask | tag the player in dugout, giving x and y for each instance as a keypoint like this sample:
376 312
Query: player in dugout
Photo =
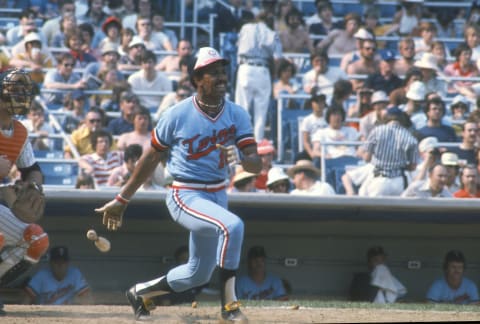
200 138
22 242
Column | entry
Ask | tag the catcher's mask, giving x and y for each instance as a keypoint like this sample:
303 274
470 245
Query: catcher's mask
16 91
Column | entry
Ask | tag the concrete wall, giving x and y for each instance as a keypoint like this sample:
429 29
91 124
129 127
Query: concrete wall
327 237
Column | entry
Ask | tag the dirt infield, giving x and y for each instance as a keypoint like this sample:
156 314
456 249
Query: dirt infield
21 314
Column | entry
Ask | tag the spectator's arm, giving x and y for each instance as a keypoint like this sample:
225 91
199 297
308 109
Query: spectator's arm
347 183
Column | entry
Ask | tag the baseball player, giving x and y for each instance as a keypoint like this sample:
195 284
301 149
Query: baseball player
200 138
21 241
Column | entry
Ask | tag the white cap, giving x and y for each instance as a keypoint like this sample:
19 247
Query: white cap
207 56
460 99
32 37
379 96
449 159
427 61
136 40
427 144
362 33
416 91
276 174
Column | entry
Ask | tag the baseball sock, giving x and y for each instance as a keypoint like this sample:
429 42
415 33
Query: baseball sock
152 288
227 286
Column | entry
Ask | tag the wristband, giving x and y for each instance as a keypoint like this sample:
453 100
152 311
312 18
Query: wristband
121 200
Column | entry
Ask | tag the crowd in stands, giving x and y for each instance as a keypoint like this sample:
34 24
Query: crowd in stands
108 70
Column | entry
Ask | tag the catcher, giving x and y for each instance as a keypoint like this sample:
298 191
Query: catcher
22 242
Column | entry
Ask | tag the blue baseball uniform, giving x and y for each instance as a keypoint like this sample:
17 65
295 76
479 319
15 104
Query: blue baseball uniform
440 292
271 288
197 199
49 291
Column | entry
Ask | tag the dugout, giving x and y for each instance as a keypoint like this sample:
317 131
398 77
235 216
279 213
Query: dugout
315 243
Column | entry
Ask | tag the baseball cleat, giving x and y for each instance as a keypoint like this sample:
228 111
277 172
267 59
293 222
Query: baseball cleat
141 308
231 313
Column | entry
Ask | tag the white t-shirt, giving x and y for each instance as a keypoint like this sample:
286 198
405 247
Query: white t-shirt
345 133
161 83
318 189
324 81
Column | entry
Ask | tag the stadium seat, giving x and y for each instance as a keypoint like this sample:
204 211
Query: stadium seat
59 172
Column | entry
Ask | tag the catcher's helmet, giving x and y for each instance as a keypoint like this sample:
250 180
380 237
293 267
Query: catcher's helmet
16 91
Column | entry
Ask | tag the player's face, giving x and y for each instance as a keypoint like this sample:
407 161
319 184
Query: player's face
454 272
214 81
59 269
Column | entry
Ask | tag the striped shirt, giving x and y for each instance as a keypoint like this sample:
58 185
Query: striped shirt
393 148
102 168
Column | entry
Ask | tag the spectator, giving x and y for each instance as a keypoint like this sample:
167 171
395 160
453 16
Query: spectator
407 18
468 183
398 97
259 284
183 92
126 36
440 52
258 46
140 133
379 285
243 181
103 161
108 62
319 15
283 7
131 61
385 79
361 35
305 178
75 42
466 150
266 152
414 107
60 283
406 48
313 121
355 179
158 26
472 39
68 24
147 79
111 27
63 78
453 287
95 15
37 126
108 81
143 8
428 33
154 41
120 175
286 82
434 186
74 110
392 150
341 41
429 155
33 58
379 103
277 181
367 64
123 124
321 75
230 19
52 26
342 90
296 38
171 63
429 66
462 67
362 106
450 161
435 111
84 181
325 22
87 35
459 111
80 137
26 23
334 132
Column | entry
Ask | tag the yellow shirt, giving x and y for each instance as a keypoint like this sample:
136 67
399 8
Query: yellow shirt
81 139
37 76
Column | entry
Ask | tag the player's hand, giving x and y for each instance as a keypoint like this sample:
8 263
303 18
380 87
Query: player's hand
113 213
232 154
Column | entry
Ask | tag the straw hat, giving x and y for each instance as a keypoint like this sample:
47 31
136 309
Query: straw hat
427 61
449 159
241 174
303 165
276 174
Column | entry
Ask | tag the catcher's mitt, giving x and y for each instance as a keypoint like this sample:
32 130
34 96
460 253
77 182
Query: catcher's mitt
29 202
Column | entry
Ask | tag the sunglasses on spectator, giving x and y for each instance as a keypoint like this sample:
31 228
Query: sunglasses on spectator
183 95
68 64
94 120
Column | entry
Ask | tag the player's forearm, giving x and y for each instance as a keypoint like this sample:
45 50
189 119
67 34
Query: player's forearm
144 168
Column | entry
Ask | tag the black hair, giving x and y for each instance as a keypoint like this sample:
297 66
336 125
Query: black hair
148 55
334 110
100 133
283 65
454 256
436 100
87 28
462 47
294 12
27 12
411 72
132 151
319 53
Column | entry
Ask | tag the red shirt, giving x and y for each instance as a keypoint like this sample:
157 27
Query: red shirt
464 194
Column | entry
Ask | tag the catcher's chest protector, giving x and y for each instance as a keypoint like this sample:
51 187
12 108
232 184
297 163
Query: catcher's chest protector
11 146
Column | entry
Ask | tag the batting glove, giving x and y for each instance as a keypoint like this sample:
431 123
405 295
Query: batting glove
113 212
232 154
